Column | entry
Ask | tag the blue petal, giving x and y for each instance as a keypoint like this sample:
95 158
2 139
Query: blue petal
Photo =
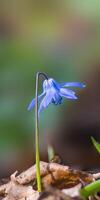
46 101
56 98
55 84
73 84
32 104
45 85
69 94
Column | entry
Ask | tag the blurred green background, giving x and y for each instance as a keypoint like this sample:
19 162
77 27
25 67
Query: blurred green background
60 38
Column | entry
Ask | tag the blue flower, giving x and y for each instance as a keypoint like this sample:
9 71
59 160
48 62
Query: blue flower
53 92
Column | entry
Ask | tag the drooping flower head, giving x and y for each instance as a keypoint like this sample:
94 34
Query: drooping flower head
54 92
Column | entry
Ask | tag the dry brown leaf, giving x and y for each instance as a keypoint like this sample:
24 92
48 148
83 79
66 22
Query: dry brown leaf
15 191
45 168
65 179
62 177
74 191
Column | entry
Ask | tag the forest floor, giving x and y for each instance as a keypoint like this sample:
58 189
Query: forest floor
59 182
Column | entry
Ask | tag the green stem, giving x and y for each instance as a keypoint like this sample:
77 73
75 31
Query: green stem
90 189
37 133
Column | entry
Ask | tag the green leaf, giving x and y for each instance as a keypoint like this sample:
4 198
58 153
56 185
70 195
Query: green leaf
96 144
90 189
51 153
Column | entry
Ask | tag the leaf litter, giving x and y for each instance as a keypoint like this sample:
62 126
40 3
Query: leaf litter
58 181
